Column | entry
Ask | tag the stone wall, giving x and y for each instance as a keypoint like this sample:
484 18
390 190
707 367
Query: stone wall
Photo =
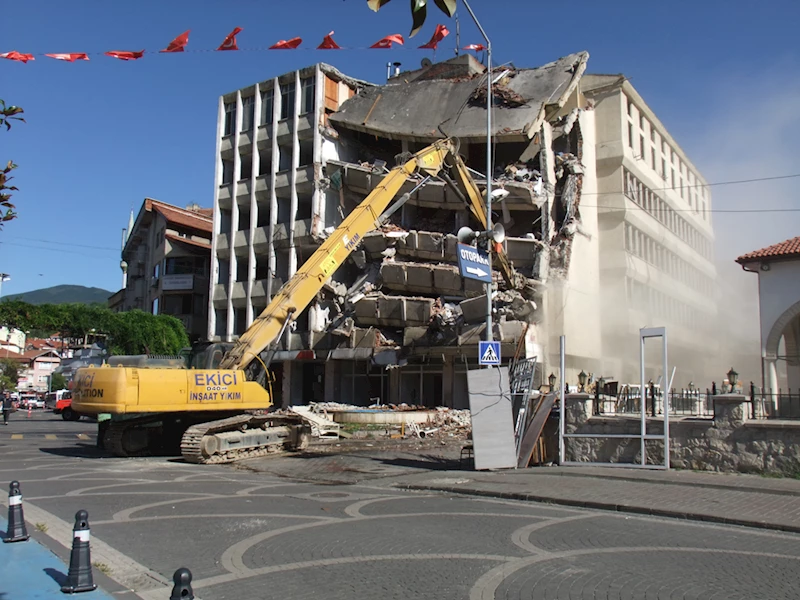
728 442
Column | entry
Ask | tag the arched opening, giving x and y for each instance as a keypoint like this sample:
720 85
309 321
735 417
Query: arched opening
782 352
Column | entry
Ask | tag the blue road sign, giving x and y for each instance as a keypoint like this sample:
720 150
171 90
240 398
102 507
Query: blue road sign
489 353
474 263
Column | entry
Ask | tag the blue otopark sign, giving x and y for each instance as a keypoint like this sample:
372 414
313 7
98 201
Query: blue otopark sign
474 263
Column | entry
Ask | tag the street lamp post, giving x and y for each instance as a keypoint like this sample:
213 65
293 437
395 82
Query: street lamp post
3 277
582 380
489 335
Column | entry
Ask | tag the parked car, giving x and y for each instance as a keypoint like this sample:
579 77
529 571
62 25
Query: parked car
31 402
64 408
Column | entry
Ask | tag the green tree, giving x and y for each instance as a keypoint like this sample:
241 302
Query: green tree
9 374
7 114
419 10
133 332
58 382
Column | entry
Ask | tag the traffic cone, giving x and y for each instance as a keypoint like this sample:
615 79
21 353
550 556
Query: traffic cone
79 578
183 585
29 411
17 532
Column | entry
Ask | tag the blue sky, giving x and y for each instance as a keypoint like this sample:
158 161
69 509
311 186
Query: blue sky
723 76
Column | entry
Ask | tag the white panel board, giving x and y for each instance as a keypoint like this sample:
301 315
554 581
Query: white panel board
492 419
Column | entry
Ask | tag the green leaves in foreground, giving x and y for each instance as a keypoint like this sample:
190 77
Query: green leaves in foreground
419 10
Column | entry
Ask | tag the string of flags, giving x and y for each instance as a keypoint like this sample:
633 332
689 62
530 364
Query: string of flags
230 43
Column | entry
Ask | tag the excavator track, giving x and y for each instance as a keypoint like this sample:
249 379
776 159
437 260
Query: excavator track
243 436
126 439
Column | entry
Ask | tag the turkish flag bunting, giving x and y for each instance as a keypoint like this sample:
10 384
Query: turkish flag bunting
69 56
476 47
328 43
287 44
438 35
14 55
229 43
388 40
179 43
125 54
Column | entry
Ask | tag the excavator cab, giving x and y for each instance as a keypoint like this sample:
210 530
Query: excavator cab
207 355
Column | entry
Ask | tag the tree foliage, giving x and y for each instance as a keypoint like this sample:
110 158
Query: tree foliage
7 114
58 382
9 374
132 332
419 10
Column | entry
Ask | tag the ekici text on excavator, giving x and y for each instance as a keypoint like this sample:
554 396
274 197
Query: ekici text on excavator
213 404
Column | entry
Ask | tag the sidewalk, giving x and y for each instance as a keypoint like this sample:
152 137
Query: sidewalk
748 500
30 571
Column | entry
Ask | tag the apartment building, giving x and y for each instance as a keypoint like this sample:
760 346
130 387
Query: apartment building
656 235
397 323
165 264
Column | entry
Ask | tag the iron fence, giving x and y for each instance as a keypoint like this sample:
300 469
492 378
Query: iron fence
771 404
682 402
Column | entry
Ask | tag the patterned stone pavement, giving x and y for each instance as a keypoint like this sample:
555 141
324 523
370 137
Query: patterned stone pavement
252 535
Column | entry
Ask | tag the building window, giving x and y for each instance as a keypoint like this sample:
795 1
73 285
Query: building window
242 271
230 118
630 135
287 100
246 167
307 87
155 306
177 304
156 270
642 147
267 106
227 172
248 108
185 265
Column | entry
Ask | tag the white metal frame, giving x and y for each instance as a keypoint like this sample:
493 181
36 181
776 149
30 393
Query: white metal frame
642 436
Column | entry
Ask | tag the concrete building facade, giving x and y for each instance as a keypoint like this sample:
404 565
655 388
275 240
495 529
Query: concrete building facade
397 323
656 236
165 264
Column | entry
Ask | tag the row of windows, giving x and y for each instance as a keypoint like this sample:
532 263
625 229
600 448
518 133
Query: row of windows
665 161
642 245
664 214
287 102
265 161
662 306
285 215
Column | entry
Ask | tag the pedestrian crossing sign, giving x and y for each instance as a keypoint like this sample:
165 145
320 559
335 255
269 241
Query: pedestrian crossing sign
489 353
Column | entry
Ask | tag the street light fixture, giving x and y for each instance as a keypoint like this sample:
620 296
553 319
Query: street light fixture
552 381
733 378
582 380
3 277
489 161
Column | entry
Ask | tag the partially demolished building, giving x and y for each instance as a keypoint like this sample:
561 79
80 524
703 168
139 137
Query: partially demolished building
397 323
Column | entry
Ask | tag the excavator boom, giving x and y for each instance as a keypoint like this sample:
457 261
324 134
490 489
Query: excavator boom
301 289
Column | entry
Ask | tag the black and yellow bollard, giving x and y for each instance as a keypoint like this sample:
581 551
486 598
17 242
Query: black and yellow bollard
183 585
17 532
79 578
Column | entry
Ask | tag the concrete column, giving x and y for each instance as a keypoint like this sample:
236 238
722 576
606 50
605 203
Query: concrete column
394 386
448 379
214 262
298 97
256 162
772 375
237 173
273 198
286 395
330 381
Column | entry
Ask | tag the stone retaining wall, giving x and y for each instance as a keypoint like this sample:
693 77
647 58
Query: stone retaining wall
728 442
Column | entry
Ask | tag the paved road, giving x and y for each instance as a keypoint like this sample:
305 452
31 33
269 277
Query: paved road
247 535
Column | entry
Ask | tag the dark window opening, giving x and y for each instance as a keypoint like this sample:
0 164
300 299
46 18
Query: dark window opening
287 100
227 172
304 208
306 152
248 112
308 88
246 168
242 271
230 118
267 106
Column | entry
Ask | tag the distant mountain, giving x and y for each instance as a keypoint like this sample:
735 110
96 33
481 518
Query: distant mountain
63 294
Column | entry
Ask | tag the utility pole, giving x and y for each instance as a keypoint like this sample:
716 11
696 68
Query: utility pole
489 103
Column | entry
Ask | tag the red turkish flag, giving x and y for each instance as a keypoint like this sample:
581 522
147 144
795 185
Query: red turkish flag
179 43
287 44
69 56
328 43
19 56
229 43
476 47
388 40
438 35
125 54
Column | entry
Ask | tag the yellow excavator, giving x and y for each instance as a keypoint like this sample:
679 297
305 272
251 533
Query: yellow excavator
213 404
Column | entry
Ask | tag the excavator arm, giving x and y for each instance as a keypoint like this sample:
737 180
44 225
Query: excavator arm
301 289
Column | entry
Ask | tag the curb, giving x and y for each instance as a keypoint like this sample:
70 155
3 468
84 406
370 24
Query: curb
607 506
